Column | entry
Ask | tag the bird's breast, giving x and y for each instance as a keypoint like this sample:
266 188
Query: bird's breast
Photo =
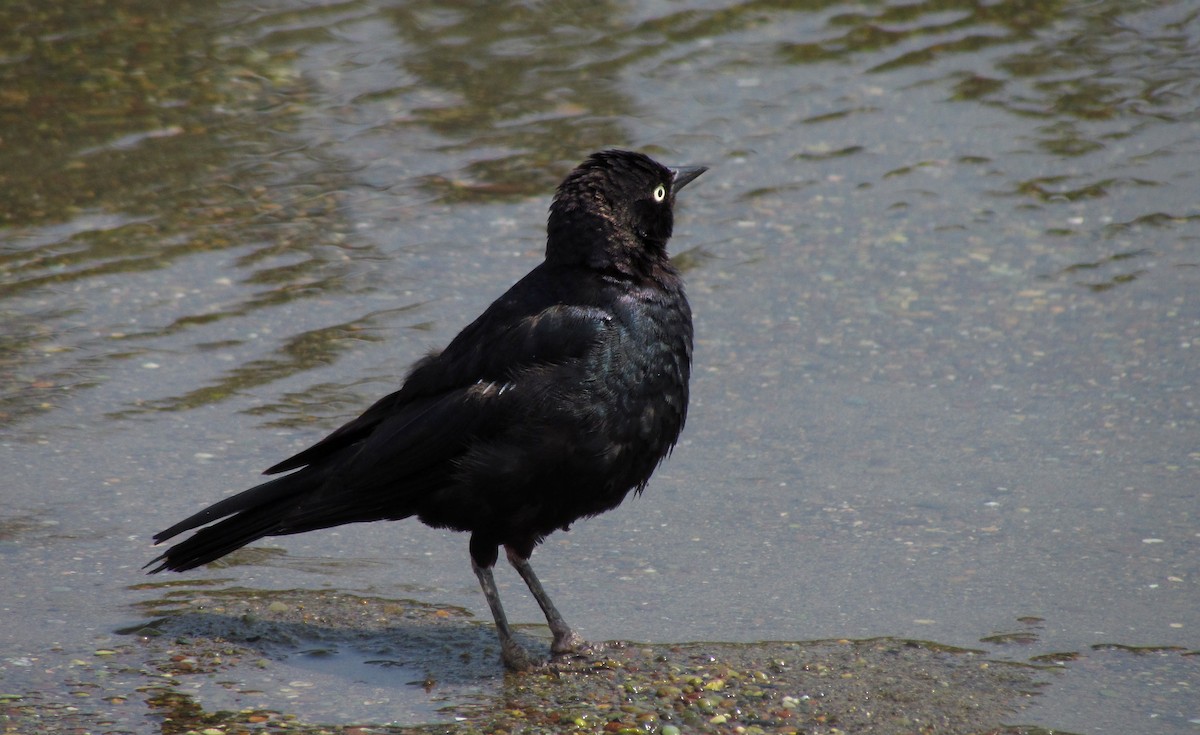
647 371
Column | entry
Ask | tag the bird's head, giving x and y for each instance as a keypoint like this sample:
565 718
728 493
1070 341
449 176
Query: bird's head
615 211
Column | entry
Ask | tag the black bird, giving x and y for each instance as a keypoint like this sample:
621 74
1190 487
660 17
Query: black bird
561 398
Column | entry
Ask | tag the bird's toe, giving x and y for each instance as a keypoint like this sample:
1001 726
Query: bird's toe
516 658
575 647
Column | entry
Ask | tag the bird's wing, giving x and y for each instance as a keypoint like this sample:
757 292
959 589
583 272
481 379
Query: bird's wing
384 463
445 393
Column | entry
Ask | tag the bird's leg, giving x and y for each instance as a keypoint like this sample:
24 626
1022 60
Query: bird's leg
511 653
565 639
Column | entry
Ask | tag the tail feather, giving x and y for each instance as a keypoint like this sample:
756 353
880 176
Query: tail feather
282 488
260 511
210 544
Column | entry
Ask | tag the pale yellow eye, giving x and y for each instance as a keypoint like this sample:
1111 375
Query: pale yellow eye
660 193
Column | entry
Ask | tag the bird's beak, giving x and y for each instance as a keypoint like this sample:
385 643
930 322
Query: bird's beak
684 176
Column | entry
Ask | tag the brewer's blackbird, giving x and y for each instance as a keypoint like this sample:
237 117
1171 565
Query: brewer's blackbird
561 398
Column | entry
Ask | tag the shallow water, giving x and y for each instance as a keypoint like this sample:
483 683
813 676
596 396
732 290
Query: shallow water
945 269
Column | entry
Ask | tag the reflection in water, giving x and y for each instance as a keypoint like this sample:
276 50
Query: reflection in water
299 352
1079 269
87 90
509 83
137 140
919 33
1108 73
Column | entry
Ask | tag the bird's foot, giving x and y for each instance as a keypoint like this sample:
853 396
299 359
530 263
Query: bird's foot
573 648
570 642
516 658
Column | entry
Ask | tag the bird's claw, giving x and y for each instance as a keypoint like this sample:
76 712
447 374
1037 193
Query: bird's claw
516 658
570 643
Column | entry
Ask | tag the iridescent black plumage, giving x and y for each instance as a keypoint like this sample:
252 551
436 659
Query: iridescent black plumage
561 398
